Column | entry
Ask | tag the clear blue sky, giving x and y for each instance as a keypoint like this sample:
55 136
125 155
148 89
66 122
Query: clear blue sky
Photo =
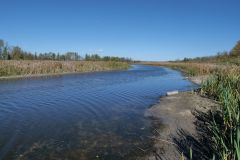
141 29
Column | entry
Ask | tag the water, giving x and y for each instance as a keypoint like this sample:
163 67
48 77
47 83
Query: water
82 116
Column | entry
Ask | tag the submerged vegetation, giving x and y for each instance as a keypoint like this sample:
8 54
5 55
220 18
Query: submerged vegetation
223 85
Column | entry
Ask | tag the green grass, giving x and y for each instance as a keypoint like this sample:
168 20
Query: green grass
224 86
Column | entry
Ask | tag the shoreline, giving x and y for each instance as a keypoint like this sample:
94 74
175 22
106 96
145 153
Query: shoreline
198 79
174 120
54 74
170 115
14 69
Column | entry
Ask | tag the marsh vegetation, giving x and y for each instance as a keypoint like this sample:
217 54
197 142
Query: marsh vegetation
222 85
36 67
14 61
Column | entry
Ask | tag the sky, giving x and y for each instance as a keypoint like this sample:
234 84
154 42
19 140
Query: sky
154 30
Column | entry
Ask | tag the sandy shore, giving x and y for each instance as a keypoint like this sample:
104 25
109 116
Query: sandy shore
174 121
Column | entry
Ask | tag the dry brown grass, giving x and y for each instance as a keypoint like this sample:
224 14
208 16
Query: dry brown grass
36 67
193 68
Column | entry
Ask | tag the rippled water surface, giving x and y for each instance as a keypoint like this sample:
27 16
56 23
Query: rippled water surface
82 116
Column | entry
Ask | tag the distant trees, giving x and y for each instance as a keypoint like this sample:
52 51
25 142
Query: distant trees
16 53
96 57
92 57
236 50
222 54
1 48
72 56
69 56
5 54
219 57
186 59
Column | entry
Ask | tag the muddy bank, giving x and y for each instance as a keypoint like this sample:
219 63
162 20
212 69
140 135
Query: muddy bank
173 116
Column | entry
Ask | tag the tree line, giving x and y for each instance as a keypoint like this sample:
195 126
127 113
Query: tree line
16 53
220 56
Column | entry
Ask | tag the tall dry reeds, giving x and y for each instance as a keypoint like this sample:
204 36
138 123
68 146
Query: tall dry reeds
190 68
35 67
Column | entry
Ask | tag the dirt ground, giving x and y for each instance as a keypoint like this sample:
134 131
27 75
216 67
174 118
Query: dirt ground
174 120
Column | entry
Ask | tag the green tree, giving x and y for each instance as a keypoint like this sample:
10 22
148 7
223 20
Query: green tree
87 57
5 54
1 43
1 48
58 57
17 53
71 56
35 56
236 50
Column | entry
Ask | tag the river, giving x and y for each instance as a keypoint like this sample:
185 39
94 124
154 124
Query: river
82 116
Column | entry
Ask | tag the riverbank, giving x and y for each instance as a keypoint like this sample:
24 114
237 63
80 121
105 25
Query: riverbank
174 122
190 69
10 69
207 124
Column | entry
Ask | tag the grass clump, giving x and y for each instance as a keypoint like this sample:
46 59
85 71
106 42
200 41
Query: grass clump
224 86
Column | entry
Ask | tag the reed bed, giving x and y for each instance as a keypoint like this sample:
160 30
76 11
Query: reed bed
191 68
224 86
37 67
